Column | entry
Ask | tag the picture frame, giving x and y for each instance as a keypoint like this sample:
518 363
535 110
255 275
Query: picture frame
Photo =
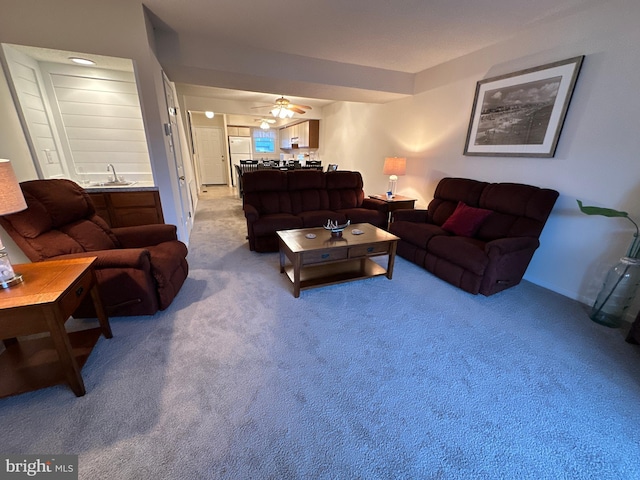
521 114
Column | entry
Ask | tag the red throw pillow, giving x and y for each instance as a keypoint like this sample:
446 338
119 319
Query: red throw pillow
465 220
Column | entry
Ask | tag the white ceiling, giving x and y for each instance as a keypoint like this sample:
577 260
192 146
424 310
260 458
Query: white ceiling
353 50
400 35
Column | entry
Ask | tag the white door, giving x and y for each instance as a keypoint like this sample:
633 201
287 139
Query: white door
173 138
210 155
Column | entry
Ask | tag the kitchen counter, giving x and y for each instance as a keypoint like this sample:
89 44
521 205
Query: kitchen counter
135 187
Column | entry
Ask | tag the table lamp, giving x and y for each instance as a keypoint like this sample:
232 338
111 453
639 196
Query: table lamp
11 201
394 166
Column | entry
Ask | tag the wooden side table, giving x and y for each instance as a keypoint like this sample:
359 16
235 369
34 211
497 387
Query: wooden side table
397 202
50 293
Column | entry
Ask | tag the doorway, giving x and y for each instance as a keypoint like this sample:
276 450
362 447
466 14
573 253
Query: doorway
210 155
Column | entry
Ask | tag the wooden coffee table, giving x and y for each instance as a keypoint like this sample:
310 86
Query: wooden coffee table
325 260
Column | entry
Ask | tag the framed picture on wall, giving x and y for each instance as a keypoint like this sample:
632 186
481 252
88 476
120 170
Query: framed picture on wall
521 114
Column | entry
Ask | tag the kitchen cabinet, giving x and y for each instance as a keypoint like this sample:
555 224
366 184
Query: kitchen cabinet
126 209
285 138
238 131
301 135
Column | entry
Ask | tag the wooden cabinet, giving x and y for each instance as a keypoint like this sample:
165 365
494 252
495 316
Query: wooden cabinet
301 135
126 209
233 131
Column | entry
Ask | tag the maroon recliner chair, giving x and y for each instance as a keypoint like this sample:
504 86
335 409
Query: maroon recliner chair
139 269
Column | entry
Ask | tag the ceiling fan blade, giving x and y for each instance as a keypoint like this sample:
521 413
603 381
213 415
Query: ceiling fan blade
264 106
296 109
305 107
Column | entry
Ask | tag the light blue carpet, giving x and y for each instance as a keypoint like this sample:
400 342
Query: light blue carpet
403 379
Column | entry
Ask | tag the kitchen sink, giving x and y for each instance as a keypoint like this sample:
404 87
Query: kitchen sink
119 183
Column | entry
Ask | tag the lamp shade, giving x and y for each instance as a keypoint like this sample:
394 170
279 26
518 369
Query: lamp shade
395 166
11 198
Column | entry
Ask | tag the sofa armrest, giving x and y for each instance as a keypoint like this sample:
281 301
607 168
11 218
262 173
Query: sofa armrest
145 235
373 204
250 213
410 215
138 258
502 246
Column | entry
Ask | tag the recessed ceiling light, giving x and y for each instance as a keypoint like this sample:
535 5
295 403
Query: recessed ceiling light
82 61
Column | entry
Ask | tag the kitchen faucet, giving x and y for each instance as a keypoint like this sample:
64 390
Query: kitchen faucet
115 176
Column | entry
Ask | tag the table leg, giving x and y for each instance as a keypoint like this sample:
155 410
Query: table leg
282 259
297 261
97 304
60 339
392 259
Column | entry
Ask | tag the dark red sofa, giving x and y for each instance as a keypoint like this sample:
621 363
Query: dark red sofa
487 246
281 200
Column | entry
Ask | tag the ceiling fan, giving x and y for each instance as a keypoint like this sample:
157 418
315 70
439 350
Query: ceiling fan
264 122
283 108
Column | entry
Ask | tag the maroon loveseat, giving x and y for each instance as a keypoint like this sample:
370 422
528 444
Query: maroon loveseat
281 200
487 245
139 269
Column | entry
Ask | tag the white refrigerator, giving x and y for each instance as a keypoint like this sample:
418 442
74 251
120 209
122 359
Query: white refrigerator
239 149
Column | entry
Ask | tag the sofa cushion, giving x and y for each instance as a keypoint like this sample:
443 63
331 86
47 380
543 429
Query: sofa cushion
466 220
269 224
89 235
463 251
51 244
310 199
417 234
365 215
64 200
305 179
344 179
520 210
449 192
344 189
32 222
45 211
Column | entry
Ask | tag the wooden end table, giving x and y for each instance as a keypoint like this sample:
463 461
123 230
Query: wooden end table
325 260
397 202
42 303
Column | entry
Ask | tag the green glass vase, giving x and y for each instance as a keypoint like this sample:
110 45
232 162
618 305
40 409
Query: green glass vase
617 293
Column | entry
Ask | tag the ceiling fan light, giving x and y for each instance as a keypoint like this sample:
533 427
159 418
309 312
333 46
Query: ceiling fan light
82 61
280 112
264 125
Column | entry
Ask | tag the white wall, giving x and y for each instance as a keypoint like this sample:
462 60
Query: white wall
17 152
597 156
87 26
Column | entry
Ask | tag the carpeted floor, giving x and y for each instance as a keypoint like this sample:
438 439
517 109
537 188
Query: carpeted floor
403 379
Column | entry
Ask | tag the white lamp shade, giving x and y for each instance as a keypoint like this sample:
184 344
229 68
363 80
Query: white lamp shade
11 198
394 166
